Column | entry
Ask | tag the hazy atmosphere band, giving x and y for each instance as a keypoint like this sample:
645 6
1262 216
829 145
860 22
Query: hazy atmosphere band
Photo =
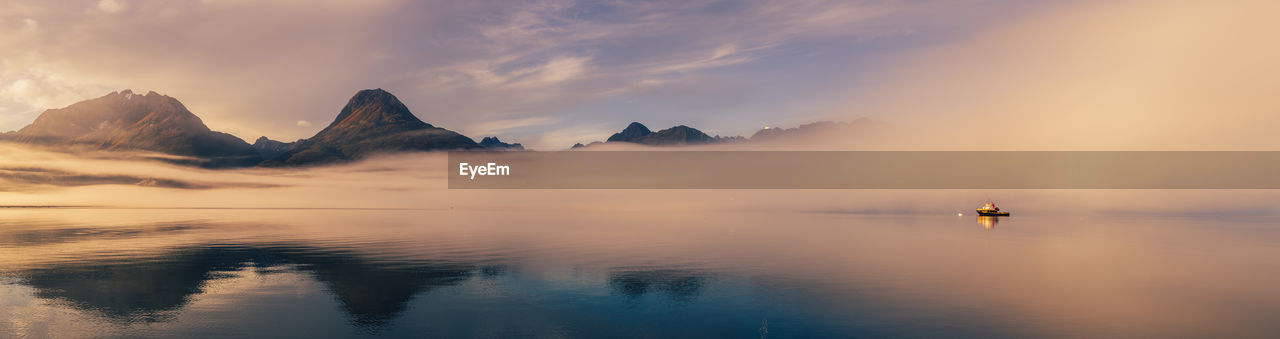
864 170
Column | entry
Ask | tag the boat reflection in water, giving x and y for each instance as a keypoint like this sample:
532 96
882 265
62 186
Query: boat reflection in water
988 222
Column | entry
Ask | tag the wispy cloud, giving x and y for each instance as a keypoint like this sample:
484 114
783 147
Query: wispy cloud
1150 75
112 6
563 138
256 68
495 127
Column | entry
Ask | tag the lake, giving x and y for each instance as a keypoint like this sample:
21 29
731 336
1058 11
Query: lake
75 272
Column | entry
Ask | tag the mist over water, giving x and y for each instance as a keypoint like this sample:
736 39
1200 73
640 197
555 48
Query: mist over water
34 177
382 247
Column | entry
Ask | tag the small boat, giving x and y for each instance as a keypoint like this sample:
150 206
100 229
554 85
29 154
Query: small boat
990 210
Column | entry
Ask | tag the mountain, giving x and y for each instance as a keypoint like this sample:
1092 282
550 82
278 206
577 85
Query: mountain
269 149
632 133
679 135
812 133
492 143
127 121
373 121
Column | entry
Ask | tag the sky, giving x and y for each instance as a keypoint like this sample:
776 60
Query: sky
982 74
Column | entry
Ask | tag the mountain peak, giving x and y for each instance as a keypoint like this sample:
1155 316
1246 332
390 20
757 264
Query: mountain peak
374 120
128 94
636 127
492 143
372 108
124 120
373 94
633 132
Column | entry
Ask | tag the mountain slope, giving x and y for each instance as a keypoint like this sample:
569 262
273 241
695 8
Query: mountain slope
373 121
124 120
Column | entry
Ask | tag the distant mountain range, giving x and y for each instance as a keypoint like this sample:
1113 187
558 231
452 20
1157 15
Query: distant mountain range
812 133
675 136
373 121
682 135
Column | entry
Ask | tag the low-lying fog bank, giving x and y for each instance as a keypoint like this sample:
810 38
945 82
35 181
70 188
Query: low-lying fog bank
35 177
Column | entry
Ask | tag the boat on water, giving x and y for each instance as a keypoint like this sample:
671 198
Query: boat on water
990 210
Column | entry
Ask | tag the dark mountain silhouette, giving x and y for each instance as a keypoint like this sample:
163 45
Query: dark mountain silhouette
127 121
632 133
492 143
680 135
270 149
373 121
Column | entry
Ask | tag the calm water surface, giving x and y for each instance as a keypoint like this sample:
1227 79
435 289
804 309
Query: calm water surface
447 273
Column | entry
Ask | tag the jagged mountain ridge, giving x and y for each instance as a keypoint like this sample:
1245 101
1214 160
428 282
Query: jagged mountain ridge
270 149
124 120
674 136
680 135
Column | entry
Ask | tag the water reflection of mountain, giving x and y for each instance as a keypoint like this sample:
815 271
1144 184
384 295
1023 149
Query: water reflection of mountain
679 285
370 292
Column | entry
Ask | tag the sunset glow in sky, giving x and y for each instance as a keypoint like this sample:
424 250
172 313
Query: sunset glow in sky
1052 74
